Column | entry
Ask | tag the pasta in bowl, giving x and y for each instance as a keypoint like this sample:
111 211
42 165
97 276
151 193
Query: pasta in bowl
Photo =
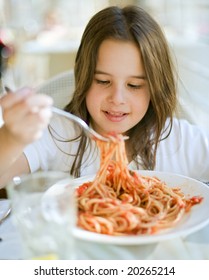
188 221
119 202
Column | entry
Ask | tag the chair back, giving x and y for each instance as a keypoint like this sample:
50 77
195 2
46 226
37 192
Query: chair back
60 88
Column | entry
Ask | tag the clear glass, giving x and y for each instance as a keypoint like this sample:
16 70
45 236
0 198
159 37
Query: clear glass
44 212
5 209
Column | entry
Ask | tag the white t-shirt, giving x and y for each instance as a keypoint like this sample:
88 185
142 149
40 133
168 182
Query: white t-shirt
185 151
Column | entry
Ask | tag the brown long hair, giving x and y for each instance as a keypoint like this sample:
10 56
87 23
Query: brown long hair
130 23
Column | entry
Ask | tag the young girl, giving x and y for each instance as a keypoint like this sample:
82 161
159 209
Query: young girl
124 83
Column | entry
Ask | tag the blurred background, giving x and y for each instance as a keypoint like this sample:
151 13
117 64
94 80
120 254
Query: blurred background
43 37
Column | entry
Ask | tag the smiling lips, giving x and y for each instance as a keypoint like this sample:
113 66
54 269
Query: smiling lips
115 116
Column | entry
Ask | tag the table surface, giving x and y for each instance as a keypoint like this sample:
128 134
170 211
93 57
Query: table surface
193 247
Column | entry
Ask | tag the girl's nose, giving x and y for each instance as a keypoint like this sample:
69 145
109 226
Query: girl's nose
117 95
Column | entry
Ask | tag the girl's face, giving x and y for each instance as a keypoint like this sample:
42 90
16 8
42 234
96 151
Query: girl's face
119 96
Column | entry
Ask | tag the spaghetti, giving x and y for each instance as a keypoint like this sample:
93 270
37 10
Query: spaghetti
122 202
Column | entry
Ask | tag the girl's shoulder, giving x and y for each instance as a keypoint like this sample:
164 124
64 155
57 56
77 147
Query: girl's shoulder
184 150
183 136
64 127
185 128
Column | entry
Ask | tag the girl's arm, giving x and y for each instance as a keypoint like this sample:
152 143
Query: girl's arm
25 116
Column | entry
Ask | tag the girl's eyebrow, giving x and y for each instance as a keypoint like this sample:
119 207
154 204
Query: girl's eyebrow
133 76
101 72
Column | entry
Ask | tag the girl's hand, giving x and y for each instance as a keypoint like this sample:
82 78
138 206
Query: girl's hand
25 115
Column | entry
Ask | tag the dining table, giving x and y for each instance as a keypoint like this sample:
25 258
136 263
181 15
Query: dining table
194 246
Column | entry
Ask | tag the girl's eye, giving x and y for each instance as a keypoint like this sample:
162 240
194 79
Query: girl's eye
102 82
134 86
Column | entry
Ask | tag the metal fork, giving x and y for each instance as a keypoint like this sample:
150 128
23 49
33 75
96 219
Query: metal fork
89 131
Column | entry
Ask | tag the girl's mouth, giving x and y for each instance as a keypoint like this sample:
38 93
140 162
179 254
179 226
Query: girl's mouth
115 116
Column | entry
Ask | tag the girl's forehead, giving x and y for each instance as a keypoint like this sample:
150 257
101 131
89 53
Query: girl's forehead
119 56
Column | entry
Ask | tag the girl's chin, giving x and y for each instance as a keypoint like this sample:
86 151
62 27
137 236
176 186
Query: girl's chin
113 132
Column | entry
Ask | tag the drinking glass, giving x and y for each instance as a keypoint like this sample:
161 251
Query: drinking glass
44 213
5 209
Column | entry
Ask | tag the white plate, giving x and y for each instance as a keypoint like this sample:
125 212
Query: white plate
196 219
